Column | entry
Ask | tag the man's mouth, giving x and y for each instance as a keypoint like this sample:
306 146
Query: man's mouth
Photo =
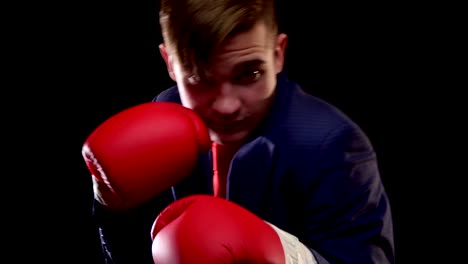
226 127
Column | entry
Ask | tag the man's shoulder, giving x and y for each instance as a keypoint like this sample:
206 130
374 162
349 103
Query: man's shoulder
312 112
310 121
306 109
169 95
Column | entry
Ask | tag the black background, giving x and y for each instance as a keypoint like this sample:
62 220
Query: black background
84 61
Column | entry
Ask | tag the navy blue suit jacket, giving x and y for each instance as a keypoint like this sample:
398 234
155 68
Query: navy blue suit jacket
309 170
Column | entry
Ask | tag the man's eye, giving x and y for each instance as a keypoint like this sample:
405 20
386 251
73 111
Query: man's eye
248 77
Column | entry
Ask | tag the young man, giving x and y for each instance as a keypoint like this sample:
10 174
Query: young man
288 158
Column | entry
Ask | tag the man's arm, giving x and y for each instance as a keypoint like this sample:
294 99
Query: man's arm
135 157
125 236
347 212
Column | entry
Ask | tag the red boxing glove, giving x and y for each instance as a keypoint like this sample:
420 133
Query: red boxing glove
142 151
206 229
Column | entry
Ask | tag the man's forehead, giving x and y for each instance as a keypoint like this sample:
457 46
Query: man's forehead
244 48
232 57
255 38
239 60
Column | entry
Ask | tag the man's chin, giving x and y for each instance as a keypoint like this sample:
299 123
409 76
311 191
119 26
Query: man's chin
228 138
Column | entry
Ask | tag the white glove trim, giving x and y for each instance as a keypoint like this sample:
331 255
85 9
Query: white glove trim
294 251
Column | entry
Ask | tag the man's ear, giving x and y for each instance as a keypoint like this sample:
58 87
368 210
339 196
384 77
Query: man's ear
280 50
168 59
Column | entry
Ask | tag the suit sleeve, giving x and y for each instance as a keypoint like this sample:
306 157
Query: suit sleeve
168 95
347 212
125 236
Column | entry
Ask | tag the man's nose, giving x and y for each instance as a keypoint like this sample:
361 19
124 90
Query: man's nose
227 101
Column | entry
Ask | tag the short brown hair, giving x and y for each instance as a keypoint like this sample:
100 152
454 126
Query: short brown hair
195 28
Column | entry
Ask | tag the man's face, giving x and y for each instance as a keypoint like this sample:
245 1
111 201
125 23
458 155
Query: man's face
240 90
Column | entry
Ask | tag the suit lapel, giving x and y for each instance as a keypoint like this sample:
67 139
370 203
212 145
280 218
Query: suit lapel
199 182
250 174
